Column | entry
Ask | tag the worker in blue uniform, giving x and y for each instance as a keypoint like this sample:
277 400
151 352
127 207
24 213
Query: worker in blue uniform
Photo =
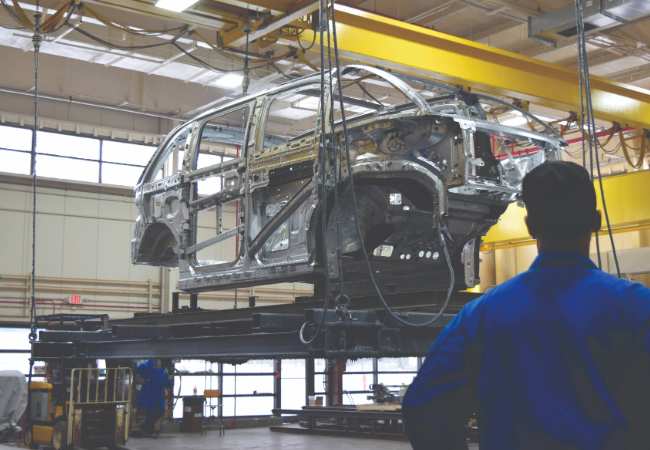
152 396
555 358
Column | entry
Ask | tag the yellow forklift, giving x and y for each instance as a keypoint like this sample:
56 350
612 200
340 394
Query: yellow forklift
79 407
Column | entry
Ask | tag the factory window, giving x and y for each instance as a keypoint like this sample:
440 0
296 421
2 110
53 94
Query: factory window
123 163
195 376
246 389
67 145
320 378
72 157
15 350
15 146
67 169
360 375
357 379
292 384
260 366
396 372
67 157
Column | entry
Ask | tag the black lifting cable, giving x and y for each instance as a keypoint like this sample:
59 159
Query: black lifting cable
323 180
342 301
356 215
37 38
591 128
439 222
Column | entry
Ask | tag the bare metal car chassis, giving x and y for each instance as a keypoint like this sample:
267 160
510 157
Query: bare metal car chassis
411 163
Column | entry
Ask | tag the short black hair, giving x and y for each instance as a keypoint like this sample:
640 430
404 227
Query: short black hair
560 199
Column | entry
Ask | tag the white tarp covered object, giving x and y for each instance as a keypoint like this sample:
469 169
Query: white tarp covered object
13 398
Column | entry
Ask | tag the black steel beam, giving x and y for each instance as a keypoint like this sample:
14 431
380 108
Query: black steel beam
141 331
70 336
237 347
268 323
413 300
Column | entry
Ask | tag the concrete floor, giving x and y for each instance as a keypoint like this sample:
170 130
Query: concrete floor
261 438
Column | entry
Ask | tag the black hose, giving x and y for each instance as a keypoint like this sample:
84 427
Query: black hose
591 129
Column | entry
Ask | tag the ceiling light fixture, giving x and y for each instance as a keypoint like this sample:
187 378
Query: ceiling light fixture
230 80
175 5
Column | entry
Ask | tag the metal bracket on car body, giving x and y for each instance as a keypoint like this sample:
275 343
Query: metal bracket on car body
466 124
467 258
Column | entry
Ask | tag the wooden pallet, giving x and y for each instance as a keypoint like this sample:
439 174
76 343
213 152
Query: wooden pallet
380 407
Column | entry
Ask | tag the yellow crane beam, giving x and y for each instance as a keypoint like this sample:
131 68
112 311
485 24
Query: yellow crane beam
628 208
372 39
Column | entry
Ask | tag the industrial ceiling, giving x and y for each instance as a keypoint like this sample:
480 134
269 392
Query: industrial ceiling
178 80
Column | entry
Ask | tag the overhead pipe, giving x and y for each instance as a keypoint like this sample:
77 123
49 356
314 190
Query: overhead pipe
64 304
88 291
80 281
95 105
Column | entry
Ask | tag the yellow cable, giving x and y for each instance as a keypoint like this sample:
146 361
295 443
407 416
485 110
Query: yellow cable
53 21
644 143
22 16
49 24
124 28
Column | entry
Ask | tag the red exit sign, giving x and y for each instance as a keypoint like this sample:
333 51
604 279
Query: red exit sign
75 299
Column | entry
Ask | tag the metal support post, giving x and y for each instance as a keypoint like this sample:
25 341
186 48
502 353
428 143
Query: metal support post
309 379
194 301
149 295
375 371
175 300
220 398
335 383
277 388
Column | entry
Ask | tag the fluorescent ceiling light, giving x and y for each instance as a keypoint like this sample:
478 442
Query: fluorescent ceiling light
175 5
230 80
515 121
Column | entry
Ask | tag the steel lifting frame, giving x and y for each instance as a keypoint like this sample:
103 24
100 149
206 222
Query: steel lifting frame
347 334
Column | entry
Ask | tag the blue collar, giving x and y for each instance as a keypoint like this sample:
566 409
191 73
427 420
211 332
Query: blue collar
556 255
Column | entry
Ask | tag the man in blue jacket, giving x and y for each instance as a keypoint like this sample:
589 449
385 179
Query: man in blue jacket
555 358
152 398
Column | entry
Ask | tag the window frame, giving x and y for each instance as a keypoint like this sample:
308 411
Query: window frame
100 161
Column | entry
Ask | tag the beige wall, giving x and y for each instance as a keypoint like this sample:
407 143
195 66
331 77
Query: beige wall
83 247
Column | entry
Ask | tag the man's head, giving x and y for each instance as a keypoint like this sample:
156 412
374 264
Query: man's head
561 204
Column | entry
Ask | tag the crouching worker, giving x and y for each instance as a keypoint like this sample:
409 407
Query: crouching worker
152 397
